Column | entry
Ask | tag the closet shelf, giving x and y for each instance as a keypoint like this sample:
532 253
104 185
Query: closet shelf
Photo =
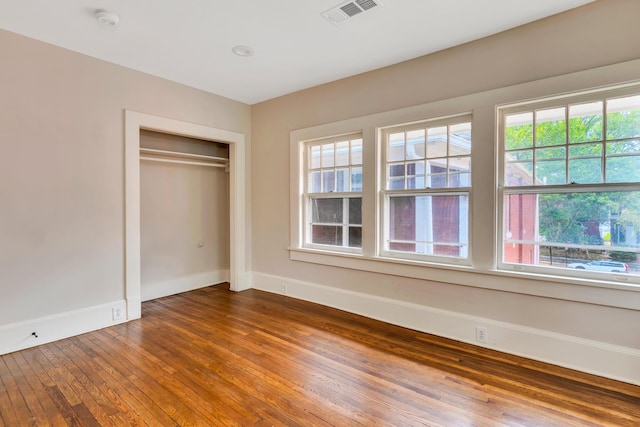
164 156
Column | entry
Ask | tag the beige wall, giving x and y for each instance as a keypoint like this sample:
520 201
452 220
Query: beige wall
596 35
62 170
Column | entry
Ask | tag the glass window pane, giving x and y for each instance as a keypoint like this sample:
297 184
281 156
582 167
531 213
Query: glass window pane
551 153
315 156
568 226
623 147
623 117
460 139
326 235
328 181
326 211
437 142
342 180
519 130
327 155
342 153
518 174
356 151
415 182
415 144
585 122
356 179
551 127
355 210
585 171
436 225
623 169
355 237
551 172
396 184
396 170
395 147
519 155
585 150
315 182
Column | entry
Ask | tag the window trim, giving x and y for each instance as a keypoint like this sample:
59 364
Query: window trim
564 100
484 273
385 194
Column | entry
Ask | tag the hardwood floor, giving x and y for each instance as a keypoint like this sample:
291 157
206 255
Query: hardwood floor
215 357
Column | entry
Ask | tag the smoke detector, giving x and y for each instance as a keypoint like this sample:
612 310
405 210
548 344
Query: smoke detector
341 13
106 18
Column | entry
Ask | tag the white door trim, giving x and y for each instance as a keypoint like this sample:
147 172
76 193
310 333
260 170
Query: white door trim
134 122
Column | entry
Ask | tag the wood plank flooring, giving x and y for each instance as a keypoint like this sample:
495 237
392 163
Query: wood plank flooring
212 357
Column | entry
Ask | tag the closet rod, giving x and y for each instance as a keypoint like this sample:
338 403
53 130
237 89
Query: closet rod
181 154
183 162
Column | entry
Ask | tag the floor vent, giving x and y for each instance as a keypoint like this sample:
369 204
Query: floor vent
341 13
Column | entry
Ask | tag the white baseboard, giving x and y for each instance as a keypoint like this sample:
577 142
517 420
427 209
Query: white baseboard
18 336
607 360
183 284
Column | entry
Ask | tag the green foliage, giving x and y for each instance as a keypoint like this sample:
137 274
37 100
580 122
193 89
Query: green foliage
622 256
575 218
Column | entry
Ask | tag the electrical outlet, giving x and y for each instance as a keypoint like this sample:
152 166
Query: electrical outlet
482 334
284 289
117 314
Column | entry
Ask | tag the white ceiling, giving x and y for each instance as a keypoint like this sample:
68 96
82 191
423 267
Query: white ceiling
190 41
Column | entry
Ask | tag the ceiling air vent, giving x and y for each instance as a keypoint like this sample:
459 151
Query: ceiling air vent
344 11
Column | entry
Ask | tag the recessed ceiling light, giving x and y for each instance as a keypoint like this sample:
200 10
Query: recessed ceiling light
106 18
242 50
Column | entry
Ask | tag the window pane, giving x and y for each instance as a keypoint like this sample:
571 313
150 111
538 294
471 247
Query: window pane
328 181
426 224
395 147
585 122
326 235
315 156
460 139
342 153
585 171
551 127
519 131
623 117
326 211
459 172
518 174
355 237
356 179
595 231
586 150
327 155
342 180
356 152
415 144
551 153
355 210
552 172
623 147
315 182
623 169
437 142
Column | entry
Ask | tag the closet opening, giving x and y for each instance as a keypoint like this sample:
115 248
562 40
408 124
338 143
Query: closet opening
184 208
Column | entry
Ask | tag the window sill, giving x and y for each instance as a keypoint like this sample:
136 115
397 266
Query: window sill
606 293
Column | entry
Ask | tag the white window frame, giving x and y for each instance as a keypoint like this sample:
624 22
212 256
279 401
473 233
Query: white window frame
569 187
309 196
386 194
484 272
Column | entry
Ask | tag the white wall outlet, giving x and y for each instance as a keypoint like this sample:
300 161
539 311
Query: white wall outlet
284 289
482 334
117 314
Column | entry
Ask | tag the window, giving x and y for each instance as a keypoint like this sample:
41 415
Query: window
570 192
333 193
426 192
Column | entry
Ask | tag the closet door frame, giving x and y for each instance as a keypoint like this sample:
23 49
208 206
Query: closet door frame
134 122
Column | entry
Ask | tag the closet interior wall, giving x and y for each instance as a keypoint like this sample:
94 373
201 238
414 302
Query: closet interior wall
184 214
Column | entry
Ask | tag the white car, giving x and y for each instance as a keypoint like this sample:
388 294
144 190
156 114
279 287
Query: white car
609 266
